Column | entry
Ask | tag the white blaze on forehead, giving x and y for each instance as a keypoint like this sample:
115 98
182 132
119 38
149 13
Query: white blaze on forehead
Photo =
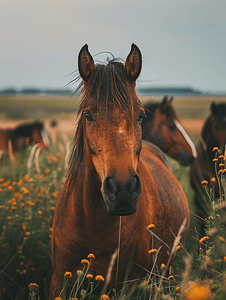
187 138
120 130
45 137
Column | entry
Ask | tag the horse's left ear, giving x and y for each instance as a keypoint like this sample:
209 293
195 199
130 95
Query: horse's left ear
85 63
133 63
164 104
213 107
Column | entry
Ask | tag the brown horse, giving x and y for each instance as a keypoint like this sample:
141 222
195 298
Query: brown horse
28 132
213 135
111 175
162 128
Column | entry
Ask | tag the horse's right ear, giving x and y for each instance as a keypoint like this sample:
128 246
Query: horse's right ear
213 107
133 63
85 63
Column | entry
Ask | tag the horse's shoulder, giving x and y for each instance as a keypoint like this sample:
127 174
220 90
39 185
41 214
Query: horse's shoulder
152 152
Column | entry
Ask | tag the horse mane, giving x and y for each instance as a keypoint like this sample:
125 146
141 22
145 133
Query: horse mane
25 130
107 84
150 109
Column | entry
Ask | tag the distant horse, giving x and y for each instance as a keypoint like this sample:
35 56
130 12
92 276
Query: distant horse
213 135
111 175
28 132
162 128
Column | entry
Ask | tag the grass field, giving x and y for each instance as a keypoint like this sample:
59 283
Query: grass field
27 201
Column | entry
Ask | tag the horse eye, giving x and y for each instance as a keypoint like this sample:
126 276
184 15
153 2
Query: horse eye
140 117
88 116
172 127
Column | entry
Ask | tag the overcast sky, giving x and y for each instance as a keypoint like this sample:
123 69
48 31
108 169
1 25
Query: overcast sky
183 43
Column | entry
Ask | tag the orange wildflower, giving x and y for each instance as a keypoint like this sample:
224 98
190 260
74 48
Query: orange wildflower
68 274
151 226
203 239
152 251
221 239
84 262
91 255
197 291
105 297
99 278
204 182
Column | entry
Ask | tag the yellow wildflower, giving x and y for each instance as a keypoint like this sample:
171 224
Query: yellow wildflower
224 258
99 278
85 262
68 274
90 276
213 179
215 159
0 190
215 149
203 239
55 194
47 171
20 182
152 251
221 156
171 277
9 217
220 171
163 266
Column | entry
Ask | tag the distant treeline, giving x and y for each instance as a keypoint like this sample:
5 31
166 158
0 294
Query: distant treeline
33 91
168 91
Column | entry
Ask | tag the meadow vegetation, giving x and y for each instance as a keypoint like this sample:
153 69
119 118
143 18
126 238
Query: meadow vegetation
28 195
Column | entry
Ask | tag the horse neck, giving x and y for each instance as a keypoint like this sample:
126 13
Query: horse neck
209 139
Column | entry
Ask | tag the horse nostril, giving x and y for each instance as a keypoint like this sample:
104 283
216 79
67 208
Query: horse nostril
110 188
136 187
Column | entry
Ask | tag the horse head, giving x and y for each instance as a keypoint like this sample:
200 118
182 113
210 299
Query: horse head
162 128
111 117
218 125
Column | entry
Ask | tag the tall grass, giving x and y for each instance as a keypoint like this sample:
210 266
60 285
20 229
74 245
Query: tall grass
27 204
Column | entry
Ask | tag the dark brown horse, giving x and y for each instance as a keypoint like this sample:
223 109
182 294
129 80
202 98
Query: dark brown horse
28 132
111 175
213 135
162 128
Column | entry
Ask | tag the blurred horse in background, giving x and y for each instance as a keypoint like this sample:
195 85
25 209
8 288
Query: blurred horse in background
114 179
162 128
10 139
213 135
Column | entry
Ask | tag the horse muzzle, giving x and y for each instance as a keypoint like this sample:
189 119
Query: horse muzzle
186 159
121 198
